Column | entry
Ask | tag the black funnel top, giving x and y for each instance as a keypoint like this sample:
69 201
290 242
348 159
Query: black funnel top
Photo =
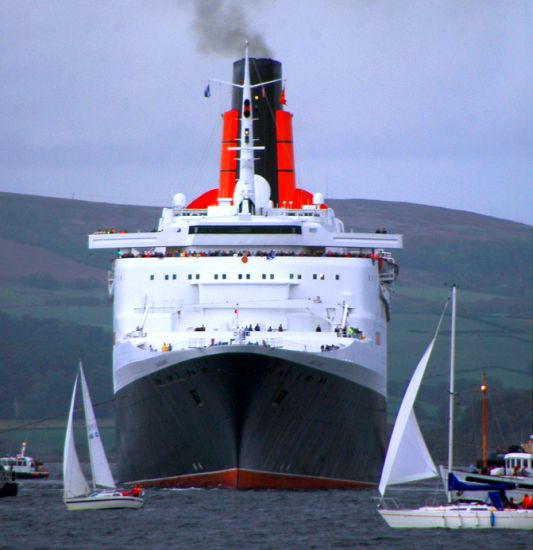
265 101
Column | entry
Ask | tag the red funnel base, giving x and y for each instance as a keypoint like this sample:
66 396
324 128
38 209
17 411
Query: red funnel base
249 479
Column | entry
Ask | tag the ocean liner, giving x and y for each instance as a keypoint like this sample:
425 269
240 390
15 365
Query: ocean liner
250 329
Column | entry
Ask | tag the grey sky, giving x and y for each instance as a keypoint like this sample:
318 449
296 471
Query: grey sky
420 101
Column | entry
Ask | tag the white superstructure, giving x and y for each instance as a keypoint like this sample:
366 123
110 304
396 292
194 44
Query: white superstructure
190 284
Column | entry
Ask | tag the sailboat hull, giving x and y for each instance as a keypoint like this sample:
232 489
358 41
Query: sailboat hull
251 420
458 517
103 502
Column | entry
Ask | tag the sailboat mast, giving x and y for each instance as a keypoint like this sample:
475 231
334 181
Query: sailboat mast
484 420
452 386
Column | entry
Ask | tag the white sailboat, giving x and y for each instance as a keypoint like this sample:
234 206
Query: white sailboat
77 494
408 459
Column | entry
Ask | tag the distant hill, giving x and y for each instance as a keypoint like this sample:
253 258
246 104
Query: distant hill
54 307
60 227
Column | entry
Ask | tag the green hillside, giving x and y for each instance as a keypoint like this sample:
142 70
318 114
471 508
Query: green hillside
54 307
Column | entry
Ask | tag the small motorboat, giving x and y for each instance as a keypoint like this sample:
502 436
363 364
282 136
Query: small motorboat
24 467
104 494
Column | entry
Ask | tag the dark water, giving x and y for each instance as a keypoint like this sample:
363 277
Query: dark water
216 519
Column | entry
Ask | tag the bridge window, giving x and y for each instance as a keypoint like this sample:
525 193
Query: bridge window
246 229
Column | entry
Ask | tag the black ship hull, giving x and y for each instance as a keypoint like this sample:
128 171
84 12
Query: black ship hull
250 418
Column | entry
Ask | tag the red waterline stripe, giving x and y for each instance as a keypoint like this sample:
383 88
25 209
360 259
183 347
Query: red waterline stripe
249 479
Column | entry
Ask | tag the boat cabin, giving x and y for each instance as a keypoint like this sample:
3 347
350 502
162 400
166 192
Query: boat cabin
519 464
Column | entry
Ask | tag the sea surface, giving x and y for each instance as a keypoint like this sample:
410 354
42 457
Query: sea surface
219 519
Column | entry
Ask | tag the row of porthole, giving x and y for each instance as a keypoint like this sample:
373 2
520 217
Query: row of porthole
241 276
283 393
170 377
308 377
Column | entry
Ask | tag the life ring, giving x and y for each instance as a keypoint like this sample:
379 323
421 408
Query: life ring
244 259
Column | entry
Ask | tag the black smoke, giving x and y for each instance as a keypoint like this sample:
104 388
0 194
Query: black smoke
223 27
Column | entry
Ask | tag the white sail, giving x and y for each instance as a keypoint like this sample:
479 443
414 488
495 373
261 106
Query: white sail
408 458
101 472
74 482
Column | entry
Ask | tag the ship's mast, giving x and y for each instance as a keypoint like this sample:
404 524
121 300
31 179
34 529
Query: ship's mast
246 195
246 158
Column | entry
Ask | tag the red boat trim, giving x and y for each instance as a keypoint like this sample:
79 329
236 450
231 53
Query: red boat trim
252 479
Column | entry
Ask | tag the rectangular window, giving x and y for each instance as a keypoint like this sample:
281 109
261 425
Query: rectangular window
264 276
299 275
240 275
174 277
315 276
247 275
291 276
322 276
337 277
216 275
246 229
151 277
197 275
272 275
223 275
166 277
189 276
